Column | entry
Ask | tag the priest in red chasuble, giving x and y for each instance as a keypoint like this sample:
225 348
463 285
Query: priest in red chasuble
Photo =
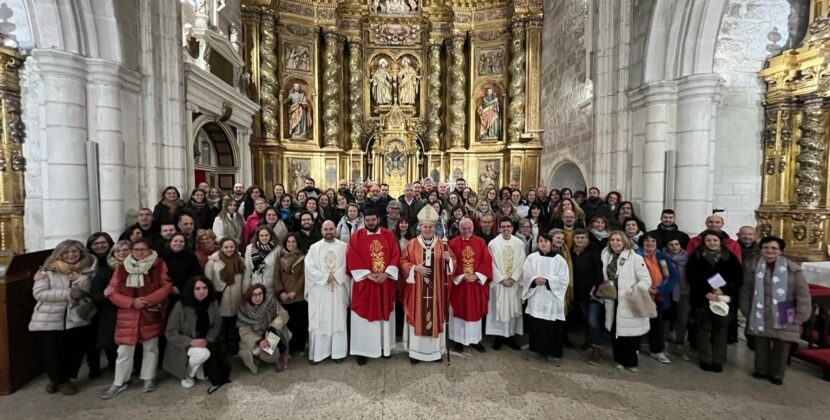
427 265
470 289
372 259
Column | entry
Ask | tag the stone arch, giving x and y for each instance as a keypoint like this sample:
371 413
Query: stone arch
84 27
567 174
681 38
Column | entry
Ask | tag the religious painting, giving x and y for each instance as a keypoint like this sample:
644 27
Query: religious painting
297 57
357 176
331 172
488 111
489 172
490 62
298 112
298 170
381 82
395 7
458 169
516 169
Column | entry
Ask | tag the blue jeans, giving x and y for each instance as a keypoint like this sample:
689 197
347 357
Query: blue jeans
591 312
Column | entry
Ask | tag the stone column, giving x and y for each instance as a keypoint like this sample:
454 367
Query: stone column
355 93
332 79
12 163
696 109
516 109
656 100
458 95
269 87
434 97
244 140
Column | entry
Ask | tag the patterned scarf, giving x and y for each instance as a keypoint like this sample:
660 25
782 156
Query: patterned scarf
65 268
137 269
711 256
779 295
258 317
233 266
259 253
611 268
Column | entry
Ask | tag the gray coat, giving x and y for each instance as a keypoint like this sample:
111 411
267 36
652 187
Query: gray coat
181 329
797 290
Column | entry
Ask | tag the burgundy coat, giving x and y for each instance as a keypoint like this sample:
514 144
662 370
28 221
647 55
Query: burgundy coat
135 326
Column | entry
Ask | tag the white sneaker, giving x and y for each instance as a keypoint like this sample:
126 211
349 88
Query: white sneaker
188 383
619 366
632 369
661 357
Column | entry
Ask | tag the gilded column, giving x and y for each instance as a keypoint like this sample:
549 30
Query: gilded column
269 87
12 163
355 93
458 98
434 97
534 73
331 91
516 110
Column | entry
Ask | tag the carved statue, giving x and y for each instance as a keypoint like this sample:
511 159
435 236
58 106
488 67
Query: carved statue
395 7
233 36
395 163
409 80
299 113
488 116
382 84
488 177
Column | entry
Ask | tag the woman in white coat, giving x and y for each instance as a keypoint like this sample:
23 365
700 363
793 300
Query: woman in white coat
261 259
545 281
628 271
224 269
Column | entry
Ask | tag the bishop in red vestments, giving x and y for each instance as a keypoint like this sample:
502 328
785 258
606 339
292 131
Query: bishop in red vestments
372 259
470 293
427 264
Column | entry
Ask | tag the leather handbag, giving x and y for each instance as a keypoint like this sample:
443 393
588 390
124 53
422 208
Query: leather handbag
606 290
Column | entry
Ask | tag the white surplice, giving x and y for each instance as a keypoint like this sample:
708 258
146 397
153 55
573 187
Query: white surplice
328 304
541 302
504 316
461 331
372 338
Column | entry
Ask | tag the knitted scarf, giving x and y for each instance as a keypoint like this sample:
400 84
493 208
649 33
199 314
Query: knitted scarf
779 295
232 226
65 268
600 234
137 269
711 256
258 317
196 204
259 253
174 205
233 266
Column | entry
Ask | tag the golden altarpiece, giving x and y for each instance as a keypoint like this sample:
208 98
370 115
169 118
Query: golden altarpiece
394 90
795 202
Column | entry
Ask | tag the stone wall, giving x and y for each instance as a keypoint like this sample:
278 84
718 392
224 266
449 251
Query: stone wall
568 128
740 54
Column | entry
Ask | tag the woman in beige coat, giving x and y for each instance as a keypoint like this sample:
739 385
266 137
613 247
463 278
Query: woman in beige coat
775 299
225 269
261 259
263 333
61 316
627 270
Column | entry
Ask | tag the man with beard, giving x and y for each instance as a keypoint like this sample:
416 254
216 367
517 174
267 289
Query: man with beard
374 203
307 236
486 231
568 226
470 291
309 189
587 275
668 229
238 194
372 258
427 264
166 231
504 315
327 286
343 188
595 206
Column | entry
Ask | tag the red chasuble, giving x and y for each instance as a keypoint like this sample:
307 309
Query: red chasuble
469 299
372 301
425 300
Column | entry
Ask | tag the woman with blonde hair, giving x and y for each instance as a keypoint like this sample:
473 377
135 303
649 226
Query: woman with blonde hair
63 312
627 272
205 245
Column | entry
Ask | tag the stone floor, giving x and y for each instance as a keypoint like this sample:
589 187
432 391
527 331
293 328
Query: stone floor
494 385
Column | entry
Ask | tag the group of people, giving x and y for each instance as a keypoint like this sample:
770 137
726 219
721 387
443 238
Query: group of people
333 273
